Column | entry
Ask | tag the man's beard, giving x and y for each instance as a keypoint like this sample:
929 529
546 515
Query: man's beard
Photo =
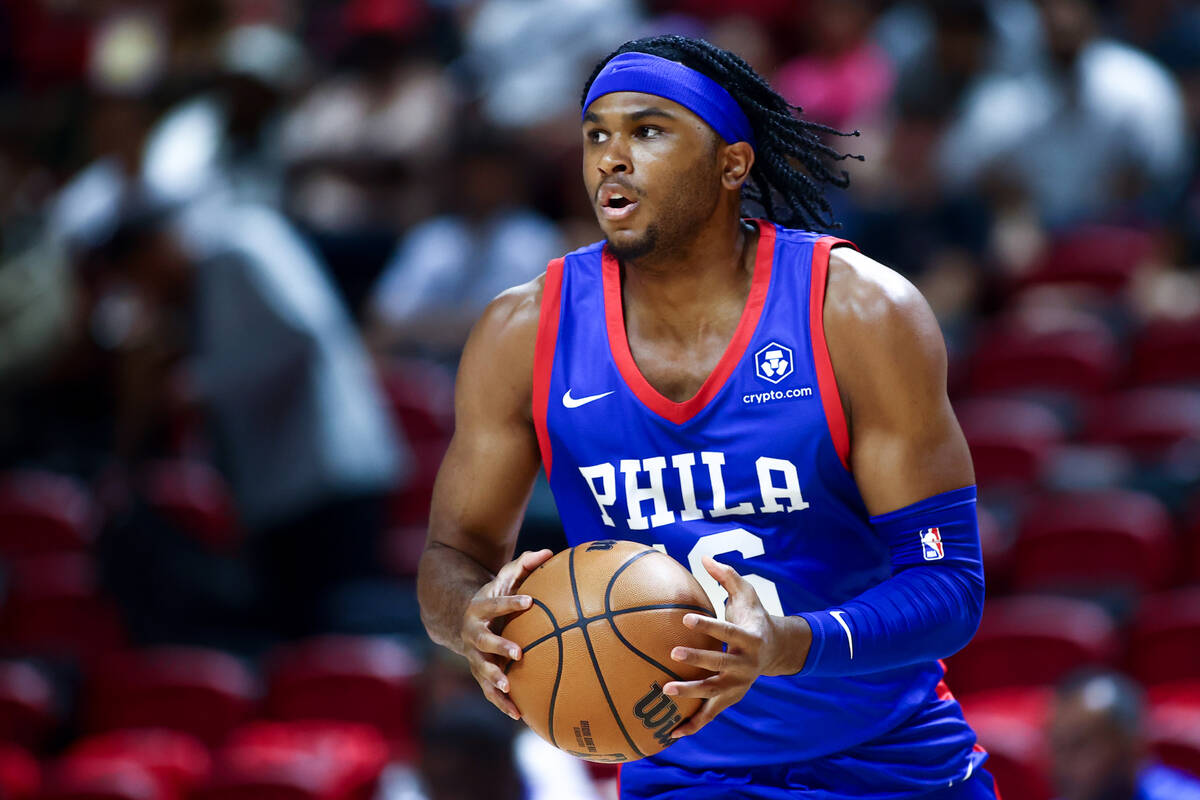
639 248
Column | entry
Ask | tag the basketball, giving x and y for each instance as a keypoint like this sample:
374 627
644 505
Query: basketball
596 649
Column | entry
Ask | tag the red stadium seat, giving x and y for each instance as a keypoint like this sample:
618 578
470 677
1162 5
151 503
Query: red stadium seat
55 608
1046 348
403 546
1094 539
177 761
195 497
410 504
27 705
1033 641
1165 352
1147 422
20 774
1175 697
1098 256
205 693
41 512
1165 640
1010 725
298 761
996 542
1191 535
114 779
421 398
1028 705
1011 440
349 679
1175 737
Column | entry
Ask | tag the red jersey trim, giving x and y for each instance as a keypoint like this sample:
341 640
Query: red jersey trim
831 400
618 343
543 356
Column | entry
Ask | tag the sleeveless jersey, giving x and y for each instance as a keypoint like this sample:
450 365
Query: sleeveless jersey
753 471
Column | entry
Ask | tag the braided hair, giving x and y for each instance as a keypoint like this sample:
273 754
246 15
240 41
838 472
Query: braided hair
790 158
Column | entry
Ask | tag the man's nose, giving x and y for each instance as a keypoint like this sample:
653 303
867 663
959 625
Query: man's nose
615 158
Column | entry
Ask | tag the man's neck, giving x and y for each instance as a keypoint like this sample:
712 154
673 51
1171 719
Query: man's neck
682 290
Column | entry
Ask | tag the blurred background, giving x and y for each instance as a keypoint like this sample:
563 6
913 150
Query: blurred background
242 243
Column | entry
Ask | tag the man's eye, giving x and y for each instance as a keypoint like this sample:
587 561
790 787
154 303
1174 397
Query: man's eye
648 131
596 136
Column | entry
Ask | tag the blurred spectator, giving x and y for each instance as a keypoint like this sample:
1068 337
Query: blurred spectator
772 13
1169 30
918 31
228 139
1099 128
470 750
296 415
529 58
843 78
361 144
1098 746
898 206
960 47
447 269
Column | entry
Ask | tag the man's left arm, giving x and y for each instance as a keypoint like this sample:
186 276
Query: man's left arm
913 470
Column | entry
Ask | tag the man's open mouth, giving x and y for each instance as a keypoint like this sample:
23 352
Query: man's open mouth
615 204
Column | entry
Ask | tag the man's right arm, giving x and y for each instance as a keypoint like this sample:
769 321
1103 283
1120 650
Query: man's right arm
466 576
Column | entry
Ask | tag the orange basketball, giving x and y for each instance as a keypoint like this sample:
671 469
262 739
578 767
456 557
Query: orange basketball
596 649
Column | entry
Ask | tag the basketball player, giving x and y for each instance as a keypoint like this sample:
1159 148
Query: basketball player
769 406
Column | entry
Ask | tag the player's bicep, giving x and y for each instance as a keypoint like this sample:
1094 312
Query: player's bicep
890 362
487 474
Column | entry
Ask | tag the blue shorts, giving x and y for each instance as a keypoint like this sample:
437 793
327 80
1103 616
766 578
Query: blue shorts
643 780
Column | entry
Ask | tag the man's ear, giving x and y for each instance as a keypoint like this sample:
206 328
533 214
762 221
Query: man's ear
737 159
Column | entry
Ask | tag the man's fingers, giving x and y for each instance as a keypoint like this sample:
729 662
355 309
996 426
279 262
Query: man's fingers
719 629
705 714
494 683
532 559
727 576
488 608
488 642
491 673
706 688
501 701
711 660
514 572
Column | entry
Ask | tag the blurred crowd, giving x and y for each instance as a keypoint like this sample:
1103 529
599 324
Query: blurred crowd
242 243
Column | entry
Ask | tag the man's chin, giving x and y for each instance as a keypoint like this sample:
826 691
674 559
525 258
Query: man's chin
629 245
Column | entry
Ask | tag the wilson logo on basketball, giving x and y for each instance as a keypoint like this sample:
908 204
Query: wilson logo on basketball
658 713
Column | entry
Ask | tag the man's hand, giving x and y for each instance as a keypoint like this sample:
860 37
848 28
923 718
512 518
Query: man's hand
756 644
485 651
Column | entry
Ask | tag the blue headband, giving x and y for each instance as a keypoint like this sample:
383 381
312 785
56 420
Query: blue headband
698 93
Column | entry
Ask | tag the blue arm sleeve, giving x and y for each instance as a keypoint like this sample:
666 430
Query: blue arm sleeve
928 609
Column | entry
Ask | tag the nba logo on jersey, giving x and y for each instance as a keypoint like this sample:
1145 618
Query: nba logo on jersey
773 362
931 544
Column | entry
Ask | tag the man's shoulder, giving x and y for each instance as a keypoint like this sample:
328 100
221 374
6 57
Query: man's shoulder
862 290
499 351
514 311
879 328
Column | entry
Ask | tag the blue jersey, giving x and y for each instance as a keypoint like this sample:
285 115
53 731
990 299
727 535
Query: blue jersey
753 471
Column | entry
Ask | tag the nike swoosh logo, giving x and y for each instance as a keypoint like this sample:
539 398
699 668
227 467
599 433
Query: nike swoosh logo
849 639
576 402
